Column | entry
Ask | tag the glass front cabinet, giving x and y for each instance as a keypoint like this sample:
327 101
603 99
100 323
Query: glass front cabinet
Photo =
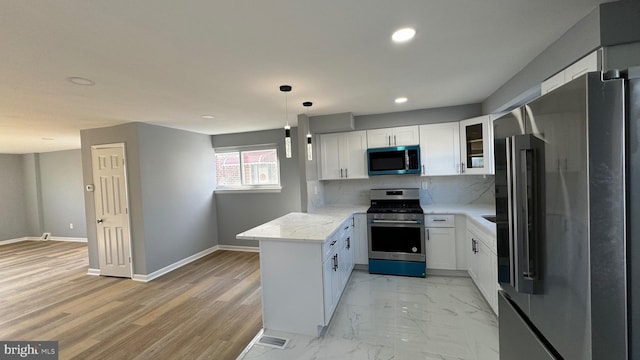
475 146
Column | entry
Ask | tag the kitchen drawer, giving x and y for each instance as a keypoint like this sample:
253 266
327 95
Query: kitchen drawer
330 245
434 221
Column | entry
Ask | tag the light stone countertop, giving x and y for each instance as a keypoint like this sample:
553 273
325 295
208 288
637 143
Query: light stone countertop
296 226
322 223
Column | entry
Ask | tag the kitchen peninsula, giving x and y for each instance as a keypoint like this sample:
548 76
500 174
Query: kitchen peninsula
305 262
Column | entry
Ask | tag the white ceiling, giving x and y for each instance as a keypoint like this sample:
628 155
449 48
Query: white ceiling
168 62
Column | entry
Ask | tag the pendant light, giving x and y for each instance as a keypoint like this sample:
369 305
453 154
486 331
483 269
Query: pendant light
287 129
309 137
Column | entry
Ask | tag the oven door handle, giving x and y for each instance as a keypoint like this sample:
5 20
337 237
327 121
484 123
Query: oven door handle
395 221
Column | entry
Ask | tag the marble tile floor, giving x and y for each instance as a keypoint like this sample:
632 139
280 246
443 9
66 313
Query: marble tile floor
382 317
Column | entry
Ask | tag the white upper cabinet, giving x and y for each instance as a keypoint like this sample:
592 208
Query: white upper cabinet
397 136
343 155
580 67
440 149
476 144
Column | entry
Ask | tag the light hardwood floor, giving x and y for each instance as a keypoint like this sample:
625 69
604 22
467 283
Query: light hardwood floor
208 309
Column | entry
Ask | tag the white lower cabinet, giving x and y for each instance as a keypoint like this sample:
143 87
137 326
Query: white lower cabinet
305 281
337 268
440 242
360 239
482 263
327 281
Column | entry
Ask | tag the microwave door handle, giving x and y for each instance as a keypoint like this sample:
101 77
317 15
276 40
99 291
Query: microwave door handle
406 159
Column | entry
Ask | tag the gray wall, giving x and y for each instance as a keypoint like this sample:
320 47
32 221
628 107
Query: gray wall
578 41
610 25
170 182
418 117
127 134
13 219
62 193
177 170
238 212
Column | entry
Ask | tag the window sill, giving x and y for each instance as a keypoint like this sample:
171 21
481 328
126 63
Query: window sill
249 190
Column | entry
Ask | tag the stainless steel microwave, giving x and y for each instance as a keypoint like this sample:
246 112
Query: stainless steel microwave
394 160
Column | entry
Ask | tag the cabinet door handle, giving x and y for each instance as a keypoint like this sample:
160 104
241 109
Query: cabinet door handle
348 243
346 173
428 236
340 173
461 168
394 140
422 169
333 242
389 140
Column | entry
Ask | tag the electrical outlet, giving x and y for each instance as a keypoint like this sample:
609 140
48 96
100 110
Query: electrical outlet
71 226
425 184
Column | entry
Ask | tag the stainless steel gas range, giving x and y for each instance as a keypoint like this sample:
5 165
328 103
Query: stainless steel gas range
396 233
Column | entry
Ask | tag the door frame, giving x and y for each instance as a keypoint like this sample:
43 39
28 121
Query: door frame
126 193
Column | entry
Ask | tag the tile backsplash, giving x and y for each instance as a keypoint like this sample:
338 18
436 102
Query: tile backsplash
461 189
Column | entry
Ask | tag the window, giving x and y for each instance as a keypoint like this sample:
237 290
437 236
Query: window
247 168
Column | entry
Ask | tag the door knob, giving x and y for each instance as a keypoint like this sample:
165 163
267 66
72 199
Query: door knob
100 221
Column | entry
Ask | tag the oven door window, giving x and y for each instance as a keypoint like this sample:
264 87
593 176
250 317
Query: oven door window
403 239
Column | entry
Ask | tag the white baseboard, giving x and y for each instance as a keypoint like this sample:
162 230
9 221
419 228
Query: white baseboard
35 238
454 273
72 239
11 241
175 265
94 272
239 248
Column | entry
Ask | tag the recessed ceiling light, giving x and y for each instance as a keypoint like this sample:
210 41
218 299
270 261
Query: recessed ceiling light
403 35
400 100
47 138
81 81
208 117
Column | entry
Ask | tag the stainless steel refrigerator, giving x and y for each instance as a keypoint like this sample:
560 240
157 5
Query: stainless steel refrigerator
568 221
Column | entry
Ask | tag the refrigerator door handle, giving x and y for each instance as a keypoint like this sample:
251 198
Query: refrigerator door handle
511 180
527 172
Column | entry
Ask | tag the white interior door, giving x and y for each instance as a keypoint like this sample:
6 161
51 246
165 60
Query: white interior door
112 210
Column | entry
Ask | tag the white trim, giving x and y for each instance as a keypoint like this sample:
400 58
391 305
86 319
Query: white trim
93 272
11 241
239 248
248 190
250 345
175 265
71 239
